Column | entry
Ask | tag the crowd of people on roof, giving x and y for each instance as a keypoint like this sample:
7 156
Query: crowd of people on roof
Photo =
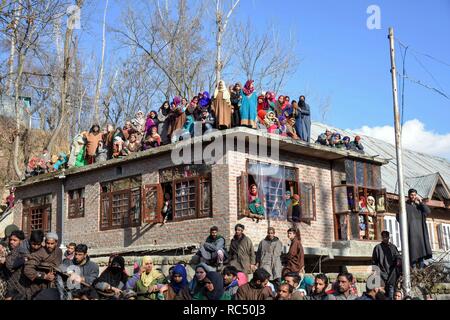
335 140
36 269
235 106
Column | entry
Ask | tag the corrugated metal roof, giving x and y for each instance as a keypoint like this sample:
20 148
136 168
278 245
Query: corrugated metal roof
424 185
415 164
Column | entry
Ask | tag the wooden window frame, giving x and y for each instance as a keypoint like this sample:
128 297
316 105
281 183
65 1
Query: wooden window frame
78 204
46 216
110 196
198 198
158 217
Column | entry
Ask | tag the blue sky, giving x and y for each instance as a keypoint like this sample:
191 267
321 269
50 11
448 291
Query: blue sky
343 60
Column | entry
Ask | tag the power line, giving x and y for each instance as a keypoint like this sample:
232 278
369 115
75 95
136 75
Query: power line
425 85
426 70
404 76
425 54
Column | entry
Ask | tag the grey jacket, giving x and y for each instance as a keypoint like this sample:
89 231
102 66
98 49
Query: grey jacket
268 257
89 270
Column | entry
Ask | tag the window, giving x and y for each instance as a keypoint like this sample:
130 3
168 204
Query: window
359 202
272 183
36 213
444 236
76 203
152 203
430 228
120 203
393 227
190 191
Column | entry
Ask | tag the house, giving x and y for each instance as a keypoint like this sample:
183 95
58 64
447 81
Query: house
116 206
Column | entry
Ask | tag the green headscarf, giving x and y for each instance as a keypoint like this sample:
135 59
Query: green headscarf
256 210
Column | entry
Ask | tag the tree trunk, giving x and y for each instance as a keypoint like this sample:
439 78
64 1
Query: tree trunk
100 76
64 83
12 53
17 110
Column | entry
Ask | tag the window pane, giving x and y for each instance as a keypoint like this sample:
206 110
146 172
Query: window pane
349 171
369 181
185 199
360 173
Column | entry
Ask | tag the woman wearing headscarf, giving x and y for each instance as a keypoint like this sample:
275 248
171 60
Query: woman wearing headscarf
196 284
213 288
178 281
260 121
163 119
371 217
92 140
236 101
178 119
77 151
112 281
249 105
149 124
61 162
222 106
256 209
147 281
138 122
191 114
204 100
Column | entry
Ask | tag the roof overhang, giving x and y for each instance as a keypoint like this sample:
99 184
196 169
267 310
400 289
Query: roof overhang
242 134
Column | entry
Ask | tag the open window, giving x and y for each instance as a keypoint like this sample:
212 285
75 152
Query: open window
152 196
359 202
275 188
76 203
189 190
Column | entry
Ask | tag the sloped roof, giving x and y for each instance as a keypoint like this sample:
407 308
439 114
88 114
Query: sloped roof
427 185
418 168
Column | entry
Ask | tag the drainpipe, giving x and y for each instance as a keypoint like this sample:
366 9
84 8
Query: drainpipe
62 177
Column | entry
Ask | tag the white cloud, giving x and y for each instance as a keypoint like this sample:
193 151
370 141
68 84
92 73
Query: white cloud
414 137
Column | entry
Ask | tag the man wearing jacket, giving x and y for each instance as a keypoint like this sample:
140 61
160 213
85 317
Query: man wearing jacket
213 252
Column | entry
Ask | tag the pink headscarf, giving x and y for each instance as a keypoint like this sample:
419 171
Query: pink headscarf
247 90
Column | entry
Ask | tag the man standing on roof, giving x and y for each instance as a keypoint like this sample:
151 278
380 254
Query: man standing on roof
418 240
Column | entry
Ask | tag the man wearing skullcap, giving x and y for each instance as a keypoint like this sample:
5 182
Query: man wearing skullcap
51 256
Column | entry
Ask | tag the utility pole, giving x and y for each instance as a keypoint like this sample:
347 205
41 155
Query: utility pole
401 193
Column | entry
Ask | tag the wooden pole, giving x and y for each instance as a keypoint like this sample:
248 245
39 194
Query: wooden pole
398 149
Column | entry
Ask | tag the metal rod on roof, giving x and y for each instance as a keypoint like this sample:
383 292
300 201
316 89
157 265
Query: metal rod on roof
398 149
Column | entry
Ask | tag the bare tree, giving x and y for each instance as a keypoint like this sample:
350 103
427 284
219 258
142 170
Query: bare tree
100 75
172 42
221 28
264 58
64 83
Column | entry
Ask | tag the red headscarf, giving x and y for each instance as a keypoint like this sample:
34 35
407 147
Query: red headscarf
261 105
247 90
261 115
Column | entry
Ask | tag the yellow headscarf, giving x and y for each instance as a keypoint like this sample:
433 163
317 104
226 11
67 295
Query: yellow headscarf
222 88
148 278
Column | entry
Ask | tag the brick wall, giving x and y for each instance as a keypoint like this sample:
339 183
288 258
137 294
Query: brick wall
87 229
319 233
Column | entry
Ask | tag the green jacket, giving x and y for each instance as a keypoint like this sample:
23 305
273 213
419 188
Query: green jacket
201 296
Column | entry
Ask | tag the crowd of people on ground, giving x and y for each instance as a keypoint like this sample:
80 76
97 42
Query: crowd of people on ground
235 106
37 269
